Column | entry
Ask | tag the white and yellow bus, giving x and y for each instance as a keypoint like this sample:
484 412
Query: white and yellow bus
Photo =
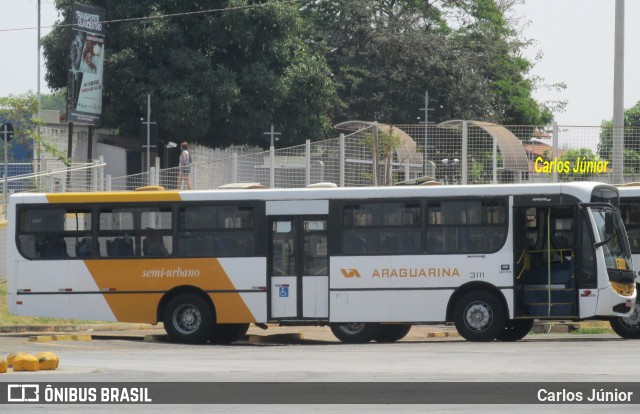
629 327
368 262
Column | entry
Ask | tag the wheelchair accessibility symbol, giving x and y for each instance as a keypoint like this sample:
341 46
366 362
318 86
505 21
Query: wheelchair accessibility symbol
283 291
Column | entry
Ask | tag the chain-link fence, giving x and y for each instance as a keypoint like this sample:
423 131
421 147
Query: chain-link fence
54 178
454 152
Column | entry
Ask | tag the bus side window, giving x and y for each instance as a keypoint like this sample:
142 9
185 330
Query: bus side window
52 247
84 247
27 244
354 244
120 247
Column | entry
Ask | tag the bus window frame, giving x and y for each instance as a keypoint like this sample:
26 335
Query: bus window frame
337 228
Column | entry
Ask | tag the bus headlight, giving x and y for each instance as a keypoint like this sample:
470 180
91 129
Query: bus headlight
624 289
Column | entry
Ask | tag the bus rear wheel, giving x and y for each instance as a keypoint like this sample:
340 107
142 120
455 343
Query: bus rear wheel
479 316
228 333
188 318
628 327
354 332
391 333
515 330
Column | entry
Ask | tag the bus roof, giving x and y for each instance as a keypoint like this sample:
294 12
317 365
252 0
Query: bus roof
629 190
580 190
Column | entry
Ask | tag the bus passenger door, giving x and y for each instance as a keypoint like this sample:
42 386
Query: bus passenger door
545 269
298 268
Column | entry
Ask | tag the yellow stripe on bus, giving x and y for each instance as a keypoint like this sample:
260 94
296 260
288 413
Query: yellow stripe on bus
139 275
114 196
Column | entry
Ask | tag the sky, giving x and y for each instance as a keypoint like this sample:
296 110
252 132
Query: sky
575 37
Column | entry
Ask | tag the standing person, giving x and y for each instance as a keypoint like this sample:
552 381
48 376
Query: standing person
185 166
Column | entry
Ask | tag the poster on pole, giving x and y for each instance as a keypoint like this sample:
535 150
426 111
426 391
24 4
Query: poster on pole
84 88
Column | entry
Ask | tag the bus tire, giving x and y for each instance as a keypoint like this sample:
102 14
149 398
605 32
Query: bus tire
515 330
479 316
228 333
354 332
628 327
391 333
188 318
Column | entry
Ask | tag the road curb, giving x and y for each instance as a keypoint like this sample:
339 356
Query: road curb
76 328
51 338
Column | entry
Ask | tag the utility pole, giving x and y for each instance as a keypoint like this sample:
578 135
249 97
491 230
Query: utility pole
38 92
38 53
617 158
272 133
148 123
7 133
428 147
426 109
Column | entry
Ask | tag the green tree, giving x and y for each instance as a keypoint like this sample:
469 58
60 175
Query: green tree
383 146
54 101
571 156
385 54
631 136
216 78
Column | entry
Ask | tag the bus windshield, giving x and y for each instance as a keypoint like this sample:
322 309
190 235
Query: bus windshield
617 253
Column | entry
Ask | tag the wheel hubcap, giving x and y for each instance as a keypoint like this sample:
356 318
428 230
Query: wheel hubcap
352 328
186 319
633 320
478 316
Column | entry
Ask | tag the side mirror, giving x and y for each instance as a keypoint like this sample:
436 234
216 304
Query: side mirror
608 229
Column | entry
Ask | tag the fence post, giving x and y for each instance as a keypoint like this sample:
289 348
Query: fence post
94 178
465 144
495 161
307 162
342 159
157 172
234 168
152 176
101 174
272 167
374 153
555 150
108 183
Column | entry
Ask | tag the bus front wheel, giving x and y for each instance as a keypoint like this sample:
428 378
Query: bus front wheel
479 316
391 333
628 327
228 333
355 332
188 318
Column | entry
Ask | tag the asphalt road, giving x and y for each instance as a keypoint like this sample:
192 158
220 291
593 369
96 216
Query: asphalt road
538 358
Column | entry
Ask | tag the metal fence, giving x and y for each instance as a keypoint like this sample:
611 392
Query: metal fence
78 177
454 152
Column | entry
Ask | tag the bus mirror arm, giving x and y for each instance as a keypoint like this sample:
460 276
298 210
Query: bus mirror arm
602 243
608 230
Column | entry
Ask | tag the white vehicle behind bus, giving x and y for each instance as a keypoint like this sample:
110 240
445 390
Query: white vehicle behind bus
629 327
